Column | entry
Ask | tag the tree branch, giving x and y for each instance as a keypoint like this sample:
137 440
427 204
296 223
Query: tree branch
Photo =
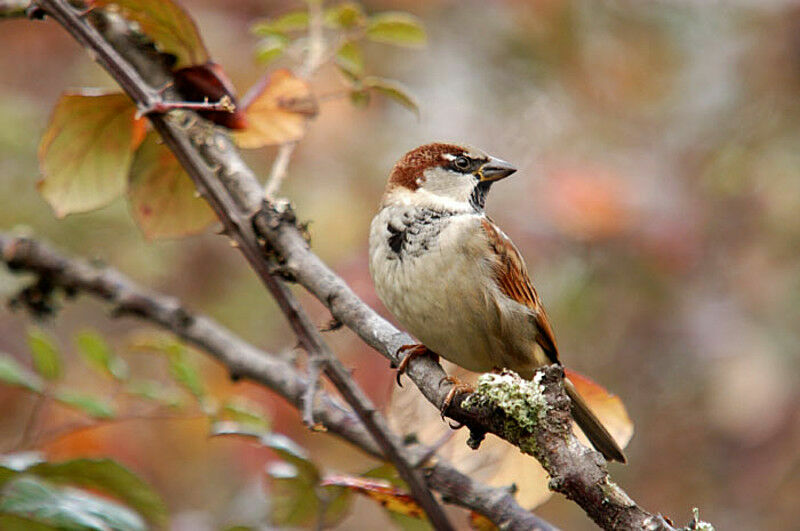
243 360
237 224
233 191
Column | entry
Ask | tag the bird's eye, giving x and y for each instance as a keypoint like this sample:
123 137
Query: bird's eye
462 163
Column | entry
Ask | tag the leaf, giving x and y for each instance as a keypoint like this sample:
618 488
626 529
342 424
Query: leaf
12 373
293 501
606 406
155 391
346 15
98 354
395 27
336 502
393 90
390 497
359 98
168 24
46 359
163 199
350 59
480 522
245 413
65 508
109 477
292 21
86 151
277 109
184 373
209 83
93 406
270 48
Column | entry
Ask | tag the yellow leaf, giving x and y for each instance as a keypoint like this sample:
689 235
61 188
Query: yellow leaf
163 198
390 497
86 151
276 109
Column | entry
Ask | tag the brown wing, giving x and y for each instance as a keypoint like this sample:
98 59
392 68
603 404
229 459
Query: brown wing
512 278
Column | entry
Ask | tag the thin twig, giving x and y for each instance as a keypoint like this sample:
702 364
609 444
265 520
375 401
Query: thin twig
224 104
280 167
314 371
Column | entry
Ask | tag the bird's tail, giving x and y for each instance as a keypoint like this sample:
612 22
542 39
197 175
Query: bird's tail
595 431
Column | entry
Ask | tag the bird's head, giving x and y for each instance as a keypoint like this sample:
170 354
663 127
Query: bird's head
447 175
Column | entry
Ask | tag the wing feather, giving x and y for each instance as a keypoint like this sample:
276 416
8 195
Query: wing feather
512 278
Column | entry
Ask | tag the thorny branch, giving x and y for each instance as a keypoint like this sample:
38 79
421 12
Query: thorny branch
233 191
236 223
243 360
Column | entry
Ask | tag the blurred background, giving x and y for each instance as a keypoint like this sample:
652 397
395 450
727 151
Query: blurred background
657 205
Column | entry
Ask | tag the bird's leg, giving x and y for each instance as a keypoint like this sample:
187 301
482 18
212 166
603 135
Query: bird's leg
457 388
412 351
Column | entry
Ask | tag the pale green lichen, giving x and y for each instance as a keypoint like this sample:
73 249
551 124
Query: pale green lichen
522 401
698 524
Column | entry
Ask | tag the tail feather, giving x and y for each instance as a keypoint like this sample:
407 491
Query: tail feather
592 427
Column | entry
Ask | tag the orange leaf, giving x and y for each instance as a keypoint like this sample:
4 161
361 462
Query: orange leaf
607 406
480 522
391 498
86 151
163 198
277 109
167 23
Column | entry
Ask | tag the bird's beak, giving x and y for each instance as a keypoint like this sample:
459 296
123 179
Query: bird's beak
494 170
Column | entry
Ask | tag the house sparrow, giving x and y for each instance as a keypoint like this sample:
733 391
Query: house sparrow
455 280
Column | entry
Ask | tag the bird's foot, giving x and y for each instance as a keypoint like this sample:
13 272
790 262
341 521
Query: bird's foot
412 351
458 388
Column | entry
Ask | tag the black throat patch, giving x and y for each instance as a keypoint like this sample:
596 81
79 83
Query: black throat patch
477 198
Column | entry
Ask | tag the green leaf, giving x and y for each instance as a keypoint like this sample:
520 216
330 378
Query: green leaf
293 501
395 27
168 24
10 522
98 354
346 15
46 359
394 91
164 201
109 477
93 406
186 375
336 502
65 508
293 21
359 98
350 59
155 391
86 151
245 413
12 373
270 48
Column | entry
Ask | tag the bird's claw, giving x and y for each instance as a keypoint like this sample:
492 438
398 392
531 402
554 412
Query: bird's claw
457 389
412 351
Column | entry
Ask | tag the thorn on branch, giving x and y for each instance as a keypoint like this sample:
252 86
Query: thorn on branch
333 325
225 104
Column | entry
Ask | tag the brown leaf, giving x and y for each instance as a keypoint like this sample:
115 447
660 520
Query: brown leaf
276 109
163 198
208 82
391 498
168 24
87 149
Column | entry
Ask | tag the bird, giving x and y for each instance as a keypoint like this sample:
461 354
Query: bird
456 281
